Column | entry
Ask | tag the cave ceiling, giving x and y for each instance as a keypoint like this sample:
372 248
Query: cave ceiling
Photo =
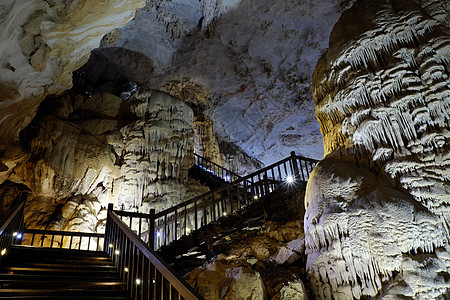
252 59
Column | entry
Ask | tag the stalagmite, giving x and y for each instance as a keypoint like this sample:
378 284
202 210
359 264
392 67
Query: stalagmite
81 153
157 150
378 204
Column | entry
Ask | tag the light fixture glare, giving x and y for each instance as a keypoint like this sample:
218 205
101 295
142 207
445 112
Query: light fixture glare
289 179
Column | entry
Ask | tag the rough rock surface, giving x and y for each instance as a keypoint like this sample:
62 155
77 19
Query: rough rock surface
157 151
206 142
378 205
254 58
87 152
264 260
42 42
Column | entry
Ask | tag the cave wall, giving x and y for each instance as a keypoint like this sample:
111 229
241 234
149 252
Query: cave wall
86 152
42 42
254 59
378 204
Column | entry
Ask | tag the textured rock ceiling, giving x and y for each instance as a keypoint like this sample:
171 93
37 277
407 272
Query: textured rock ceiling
254 59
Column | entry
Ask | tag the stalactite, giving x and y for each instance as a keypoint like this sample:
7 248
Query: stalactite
383 97
157 147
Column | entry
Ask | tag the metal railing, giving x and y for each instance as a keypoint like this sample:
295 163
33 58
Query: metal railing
10 227
146 275
166 226
63 239
215 169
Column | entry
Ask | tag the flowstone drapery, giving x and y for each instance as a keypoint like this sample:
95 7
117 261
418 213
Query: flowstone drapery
82 153
378 204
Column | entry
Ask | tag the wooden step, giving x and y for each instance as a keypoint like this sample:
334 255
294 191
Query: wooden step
50 278
66 266
56 252
66 297
44 273
66 284
59 272
62 292
106 261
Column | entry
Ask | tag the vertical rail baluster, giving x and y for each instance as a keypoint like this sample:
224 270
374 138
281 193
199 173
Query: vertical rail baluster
164 231
151 229
185 219
245 195
195 215
176 224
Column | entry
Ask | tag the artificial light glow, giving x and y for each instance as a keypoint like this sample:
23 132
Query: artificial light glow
289 179
126 269
255 197
19 236
117 252
15 233
154 281
138 281
110 245
3 251
158 234
224 213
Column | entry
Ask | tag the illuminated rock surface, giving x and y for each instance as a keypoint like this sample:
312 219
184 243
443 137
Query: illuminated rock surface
378 204
42 42
88 152
253 60
261 261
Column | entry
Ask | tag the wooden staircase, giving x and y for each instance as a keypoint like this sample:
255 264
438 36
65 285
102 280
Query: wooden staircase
128 267
46 273
211 174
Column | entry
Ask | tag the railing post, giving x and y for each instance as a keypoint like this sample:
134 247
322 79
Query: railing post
266 185
205 219
151 229
107 237
245 195
295 166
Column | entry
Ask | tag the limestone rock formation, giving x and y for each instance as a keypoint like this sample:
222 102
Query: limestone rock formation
219 280
42 42
157 149
254 58
262 261
378 204
206 142
86 152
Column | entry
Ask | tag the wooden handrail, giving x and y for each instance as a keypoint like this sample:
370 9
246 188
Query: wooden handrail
11 226
8 219
54 242
120 239
172 222
61 232
215 169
